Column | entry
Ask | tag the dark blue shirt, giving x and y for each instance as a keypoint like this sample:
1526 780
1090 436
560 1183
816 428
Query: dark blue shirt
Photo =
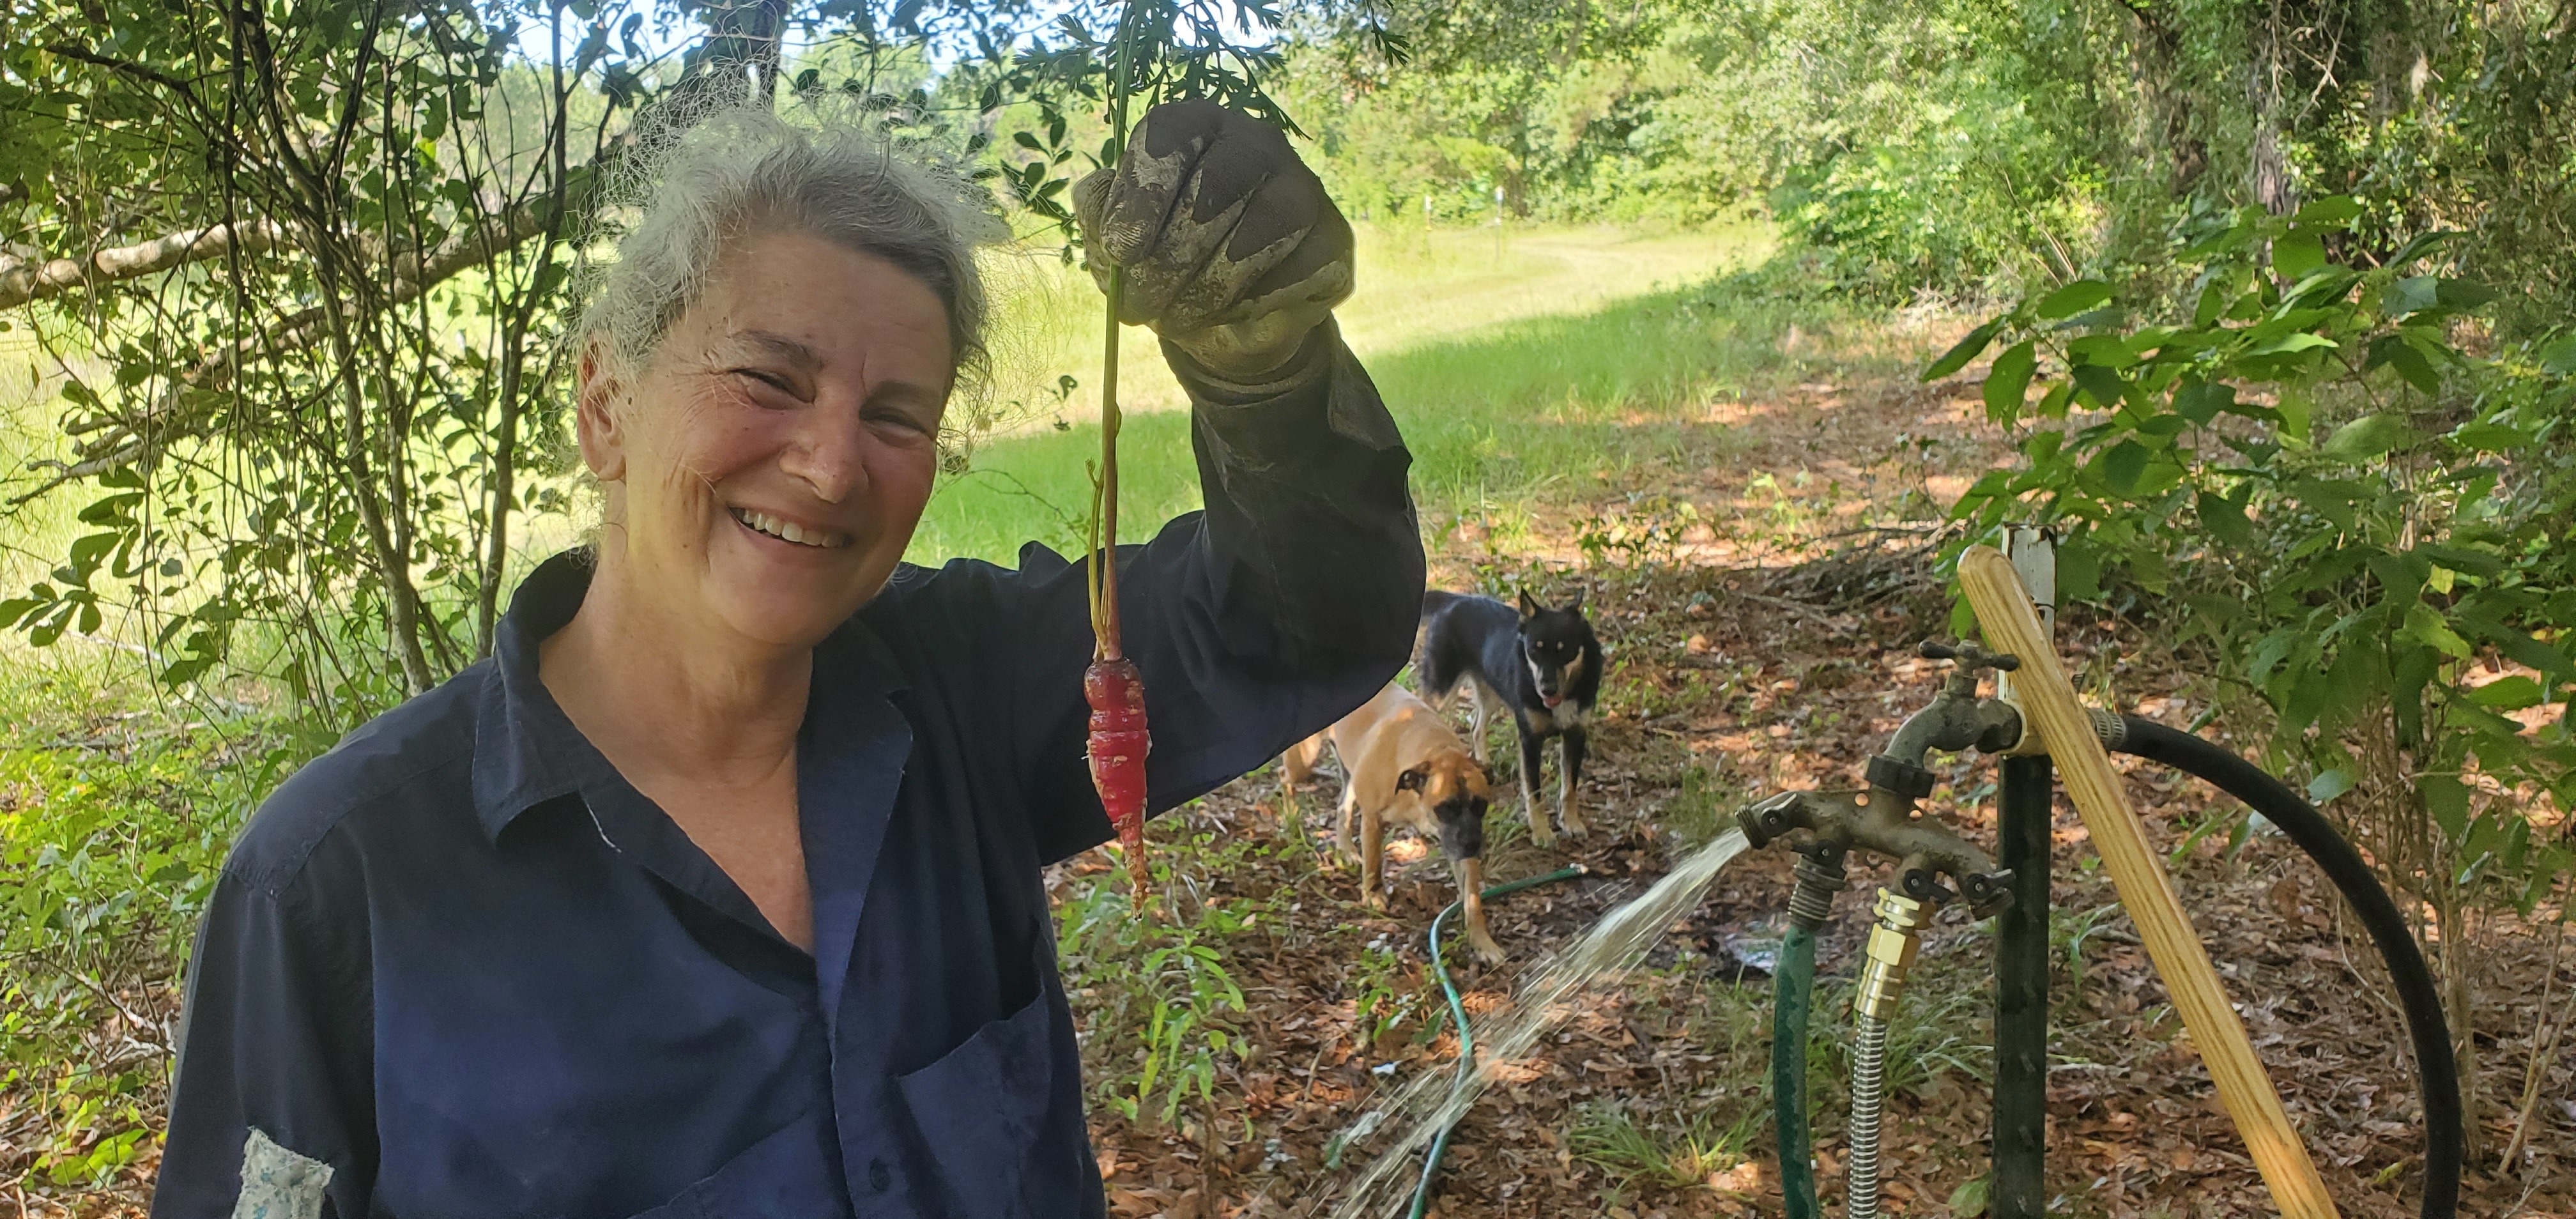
463 969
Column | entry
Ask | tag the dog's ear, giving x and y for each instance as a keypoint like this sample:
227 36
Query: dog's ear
1487 768
1410 781
1575 606
1530 608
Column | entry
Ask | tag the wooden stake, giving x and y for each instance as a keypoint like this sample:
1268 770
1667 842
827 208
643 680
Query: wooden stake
2048 702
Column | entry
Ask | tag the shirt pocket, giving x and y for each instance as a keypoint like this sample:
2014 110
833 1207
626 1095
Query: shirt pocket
788 1172
983 1111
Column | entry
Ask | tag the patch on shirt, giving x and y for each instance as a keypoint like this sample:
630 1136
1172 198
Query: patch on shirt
277 1183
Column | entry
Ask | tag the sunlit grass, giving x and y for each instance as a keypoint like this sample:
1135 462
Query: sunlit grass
1505 411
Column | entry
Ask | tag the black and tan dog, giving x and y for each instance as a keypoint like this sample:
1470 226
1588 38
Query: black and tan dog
1403 763
1544 664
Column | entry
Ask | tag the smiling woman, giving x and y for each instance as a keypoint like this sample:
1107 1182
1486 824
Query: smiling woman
717 890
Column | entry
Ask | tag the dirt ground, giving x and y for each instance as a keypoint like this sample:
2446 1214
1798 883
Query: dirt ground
1769 645
1765 641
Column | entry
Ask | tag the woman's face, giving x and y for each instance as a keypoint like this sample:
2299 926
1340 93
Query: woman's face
767 463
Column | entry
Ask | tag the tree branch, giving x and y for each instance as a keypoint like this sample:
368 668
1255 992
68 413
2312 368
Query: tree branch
180 413
24 280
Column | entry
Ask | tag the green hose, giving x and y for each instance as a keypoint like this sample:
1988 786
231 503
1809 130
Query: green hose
1792 993
1458 1015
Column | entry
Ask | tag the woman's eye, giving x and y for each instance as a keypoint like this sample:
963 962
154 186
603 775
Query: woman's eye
899 420
770 379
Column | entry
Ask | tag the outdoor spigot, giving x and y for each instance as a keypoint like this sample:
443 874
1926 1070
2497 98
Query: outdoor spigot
1834 823
1893 942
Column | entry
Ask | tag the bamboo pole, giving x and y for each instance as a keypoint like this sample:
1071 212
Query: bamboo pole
2048 702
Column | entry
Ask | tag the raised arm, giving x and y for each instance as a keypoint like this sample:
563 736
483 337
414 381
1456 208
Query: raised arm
1293 596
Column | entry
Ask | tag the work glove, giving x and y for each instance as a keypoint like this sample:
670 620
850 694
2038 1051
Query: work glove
1233 251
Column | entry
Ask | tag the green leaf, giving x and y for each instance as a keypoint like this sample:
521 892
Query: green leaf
2079 571
2401 355
2295 409
2332 212
2558 358
2511 693
2424 625
2201 401
2448 800
2367 437
2297 253
1967 349
2009 381
1969 1200
2514 644
2292 344
2101 384
2463 295
2329 784
2072 299
2417 293
2224 518
2122 464
2423 244
2052 405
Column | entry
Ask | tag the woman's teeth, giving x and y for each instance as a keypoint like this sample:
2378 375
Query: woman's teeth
788 531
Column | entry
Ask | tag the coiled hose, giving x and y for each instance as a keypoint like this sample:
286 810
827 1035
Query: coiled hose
1458 1015
2437 1073
1869 1096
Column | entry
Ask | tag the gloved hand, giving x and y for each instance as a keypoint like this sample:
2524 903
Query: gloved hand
1232 249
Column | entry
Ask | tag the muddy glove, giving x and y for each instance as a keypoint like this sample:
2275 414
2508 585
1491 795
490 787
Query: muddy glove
1232 249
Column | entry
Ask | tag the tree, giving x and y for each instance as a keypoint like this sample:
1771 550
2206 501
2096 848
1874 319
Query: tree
305 272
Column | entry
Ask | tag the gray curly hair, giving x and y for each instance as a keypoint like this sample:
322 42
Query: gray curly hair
705 182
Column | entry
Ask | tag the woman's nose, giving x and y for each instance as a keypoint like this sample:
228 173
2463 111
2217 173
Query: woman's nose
829 454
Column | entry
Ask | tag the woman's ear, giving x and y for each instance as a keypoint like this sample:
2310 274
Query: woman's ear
597 394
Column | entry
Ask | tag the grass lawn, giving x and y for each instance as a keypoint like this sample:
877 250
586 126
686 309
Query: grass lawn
1569 357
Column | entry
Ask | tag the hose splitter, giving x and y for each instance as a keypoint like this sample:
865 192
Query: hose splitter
1823 828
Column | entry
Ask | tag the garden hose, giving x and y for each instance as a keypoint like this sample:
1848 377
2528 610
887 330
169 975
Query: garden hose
1458 1015
1820 877
2436 1071
1893 942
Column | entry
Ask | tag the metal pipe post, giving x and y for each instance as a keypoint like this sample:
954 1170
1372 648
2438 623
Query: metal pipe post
2023 815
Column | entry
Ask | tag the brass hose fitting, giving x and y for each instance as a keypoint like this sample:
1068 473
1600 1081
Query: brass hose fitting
1893 941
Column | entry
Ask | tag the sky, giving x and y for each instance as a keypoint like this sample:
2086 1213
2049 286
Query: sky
665 34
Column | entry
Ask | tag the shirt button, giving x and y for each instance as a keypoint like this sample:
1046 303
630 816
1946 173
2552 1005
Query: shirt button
880 1179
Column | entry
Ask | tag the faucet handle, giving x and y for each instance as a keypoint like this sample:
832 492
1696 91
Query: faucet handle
1970 656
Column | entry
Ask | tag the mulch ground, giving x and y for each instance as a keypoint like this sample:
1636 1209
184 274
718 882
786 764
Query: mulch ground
1768 653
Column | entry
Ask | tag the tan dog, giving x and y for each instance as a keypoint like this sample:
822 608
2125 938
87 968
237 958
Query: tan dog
1403 763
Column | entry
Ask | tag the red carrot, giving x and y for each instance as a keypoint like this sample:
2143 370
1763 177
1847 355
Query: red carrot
1113 687
1117 748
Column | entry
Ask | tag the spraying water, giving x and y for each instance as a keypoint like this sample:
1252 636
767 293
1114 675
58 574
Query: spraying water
1434 1099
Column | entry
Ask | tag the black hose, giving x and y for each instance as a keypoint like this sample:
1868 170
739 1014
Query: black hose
2437 1074
2023 816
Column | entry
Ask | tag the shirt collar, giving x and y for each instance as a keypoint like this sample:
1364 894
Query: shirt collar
528 752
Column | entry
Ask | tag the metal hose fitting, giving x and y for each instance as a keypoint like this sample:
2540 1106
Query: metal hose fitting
1820 876
1893 941
1892 945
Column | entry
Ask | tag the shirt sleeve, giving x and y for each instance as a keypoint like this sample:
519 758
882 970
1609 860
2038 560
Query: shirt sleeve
271 1113
1289 600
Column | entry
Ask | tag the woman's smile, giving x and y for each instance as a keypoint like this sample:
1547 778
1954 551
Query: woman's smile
778 528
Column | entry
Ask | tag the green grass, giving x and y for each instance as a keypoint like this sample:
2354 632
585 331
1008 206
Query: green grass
1504 412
